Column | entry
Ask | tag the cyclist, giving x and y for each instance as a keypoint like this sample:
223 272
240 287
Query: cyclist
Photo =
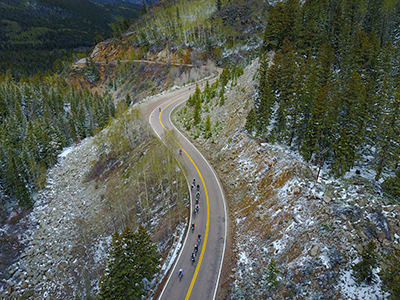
159 109
196 248
197 208
194 212
198 195
192 226
199 238
194 181
198 187
180 274
192 187
192 257
180 151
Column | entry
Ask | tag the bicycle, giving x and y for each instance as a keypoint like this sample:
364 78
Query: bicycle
180 274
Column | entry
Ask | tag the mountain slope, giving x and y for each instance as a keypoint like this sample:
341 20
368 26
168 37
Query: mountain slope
32 30
293 236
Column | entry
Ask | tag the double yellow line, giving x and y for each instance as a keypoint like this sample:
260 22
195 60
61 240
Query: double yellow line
207 201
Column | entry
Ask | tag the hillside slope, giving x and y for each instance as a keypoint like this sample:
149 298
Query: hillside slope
34 34
314 230
92 192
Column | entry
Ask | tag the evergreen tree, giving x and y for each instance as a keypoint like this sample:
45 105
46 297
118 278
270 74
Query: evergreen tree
218 4
392 185
283 23
143 8
387 140
221 99
197 112
251 121
363 271
132 258
265 99
207 127
391 275
271 275
284 81
128 100
350 125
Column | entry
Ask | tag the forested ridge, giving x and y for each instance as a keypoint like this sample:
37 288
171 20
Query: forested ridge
39 35
331 89
38 117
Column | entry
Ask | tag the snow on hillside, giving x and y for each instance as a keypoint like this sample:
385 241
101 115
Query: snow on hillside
68 232
315 231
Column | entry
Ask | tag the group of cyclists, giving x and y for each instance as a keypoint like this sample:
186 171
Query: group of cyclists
192 226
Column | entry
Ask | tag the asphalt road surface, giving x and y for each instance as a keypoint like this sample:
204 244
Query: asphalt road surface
200 279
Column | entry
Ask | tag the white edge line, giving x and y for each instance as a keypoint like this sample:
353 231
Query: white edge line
190 215
220 188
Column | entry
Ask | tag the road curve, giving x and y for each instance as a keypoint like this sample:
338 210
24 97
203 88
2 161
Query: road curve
200 279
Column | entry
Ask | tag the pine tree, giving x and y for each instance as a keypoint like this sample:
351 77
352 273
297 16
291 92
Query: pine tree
311 26
222 99
350 128
265 100
391 275
218 4
128 100
251 121
283 23
392 185
272 275
143 8
197 112
363 271
207 127
387 139
132 258
284 82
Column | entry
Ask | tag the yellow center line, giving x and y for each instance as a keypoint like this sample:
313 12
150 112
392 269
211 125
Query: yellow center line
207 200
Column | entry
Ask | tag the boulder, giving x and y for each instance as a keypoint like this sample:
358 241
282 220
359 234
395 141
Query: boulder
314 250
327 199
269 162
296 190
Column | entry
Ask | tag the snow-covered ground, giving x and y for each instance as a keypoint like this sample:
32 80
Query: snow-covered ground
69 230
314 230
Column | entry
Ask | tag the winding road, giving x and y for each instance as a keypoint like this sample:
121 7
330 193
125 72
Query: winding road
200 279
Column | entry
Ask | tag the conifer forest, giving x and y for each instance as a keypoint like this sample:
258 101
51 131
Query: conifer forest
38 118
331 89
294 104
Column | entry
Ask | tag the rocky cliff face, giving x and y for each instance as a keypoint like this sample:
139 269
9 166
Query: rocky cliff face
115 65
